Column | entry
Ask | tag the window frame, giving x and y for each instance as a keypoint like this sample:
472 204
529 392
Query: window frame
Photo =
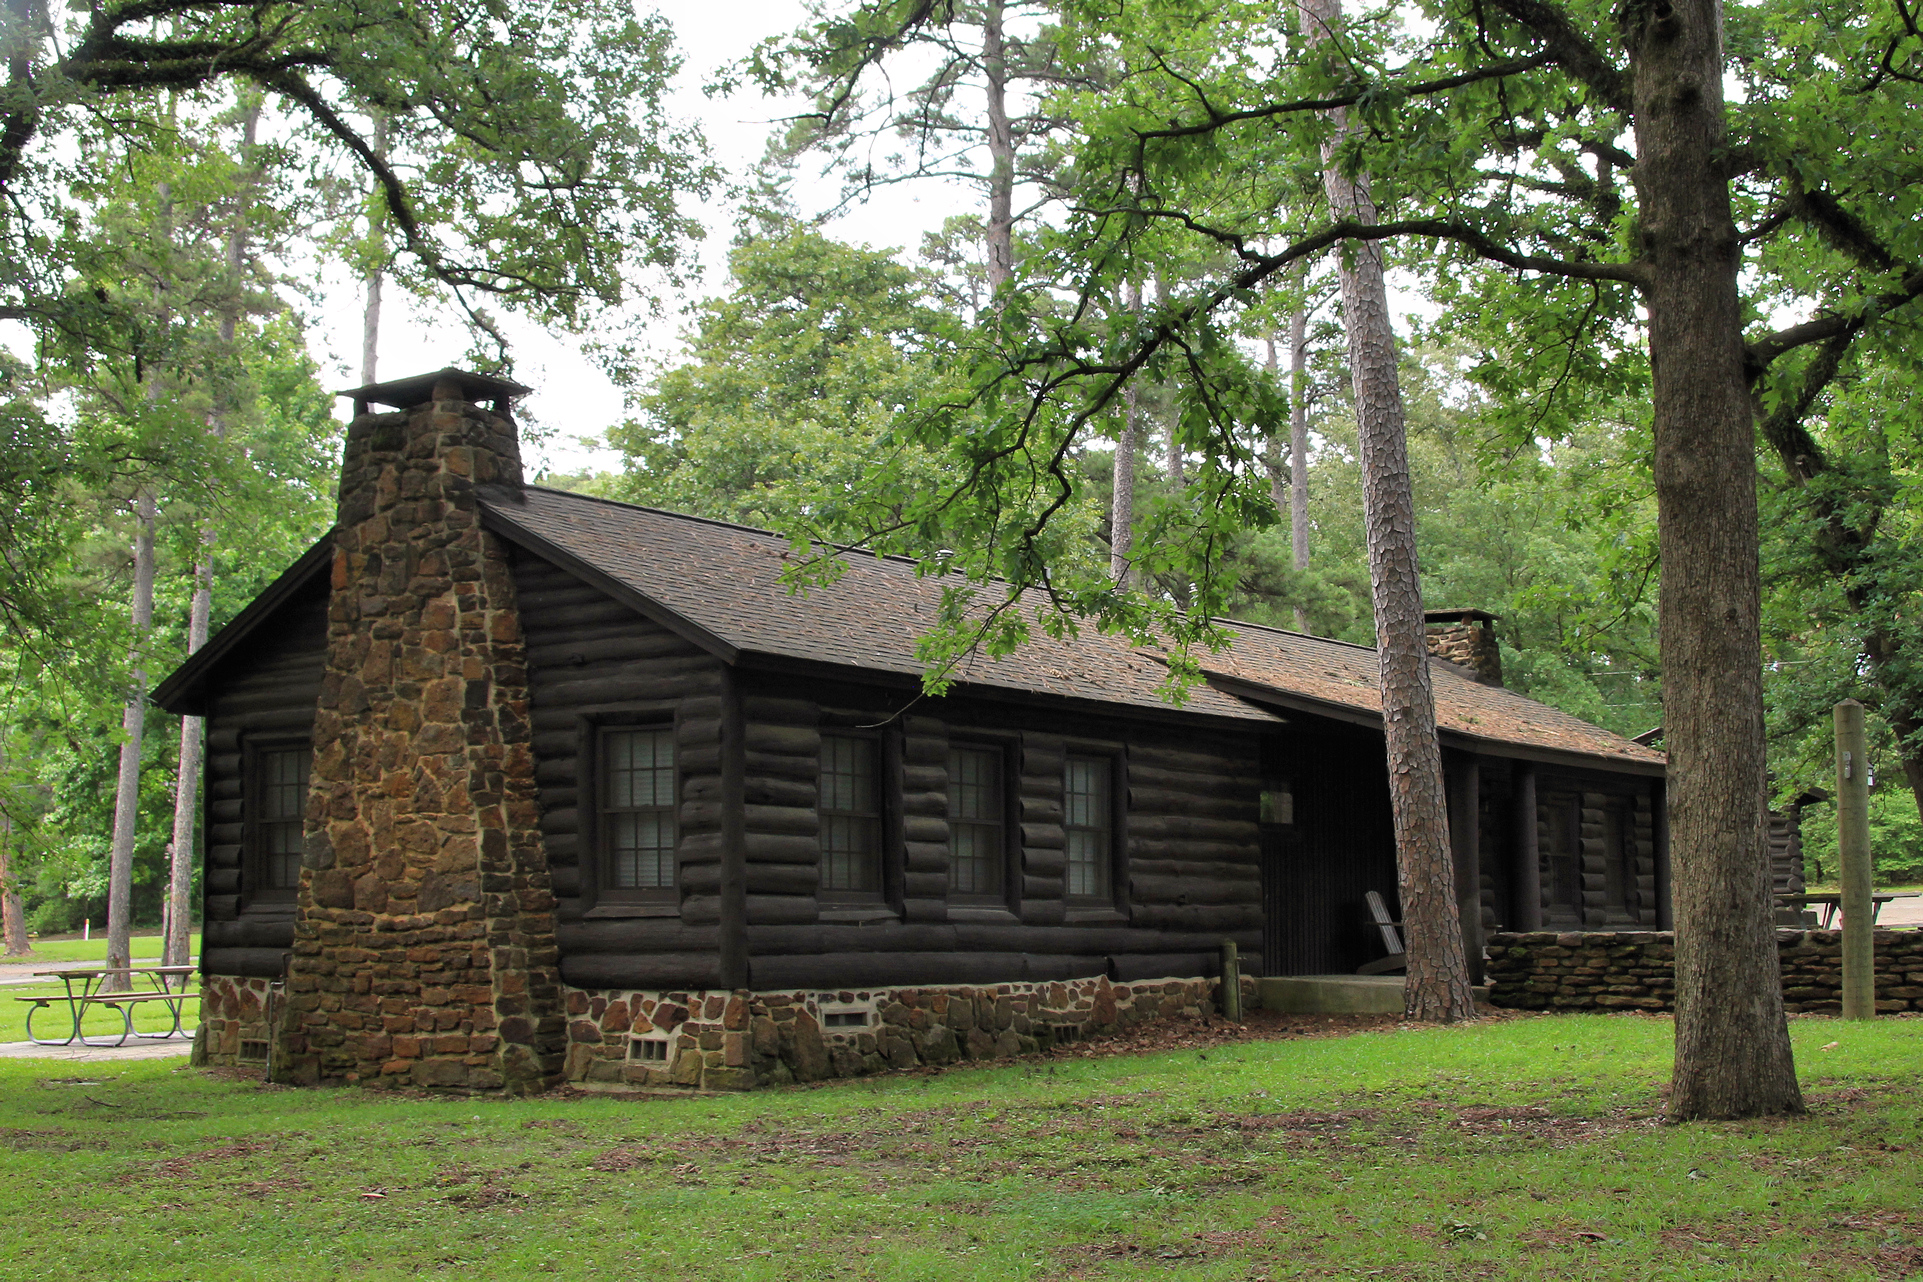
1112 905
255 894
885 779
1006 752
601 898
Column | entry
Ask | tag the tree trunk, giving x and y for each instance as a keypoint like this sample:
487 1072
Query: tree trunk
120 857
1001 151
1732 1041
1121 519
177 948
1278 467
13 919
1437 987
371 315
1299 448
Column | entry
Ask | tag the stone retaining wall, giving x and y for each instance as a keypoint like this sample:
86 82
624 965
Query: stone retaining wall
741 1039
233 1021
1635 970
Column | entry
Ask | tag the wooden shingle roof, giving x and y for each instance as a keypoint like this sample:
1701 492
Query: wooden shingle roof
720 585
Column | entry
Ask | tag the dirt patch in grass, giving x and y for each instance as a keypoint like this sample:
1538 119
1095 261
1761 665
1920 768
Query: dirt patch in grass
176 1168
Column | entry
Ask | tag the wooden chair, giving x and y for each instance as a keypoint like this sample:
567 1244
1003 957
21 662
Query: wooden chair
1398 958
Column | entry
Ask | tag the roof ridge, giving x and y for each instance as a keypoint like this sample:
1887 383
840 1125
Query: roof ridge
1291 632
717 521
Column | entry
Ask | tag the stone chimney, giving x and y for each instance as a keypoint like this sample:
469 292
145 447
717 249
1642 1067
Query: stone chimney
1466 638
424 951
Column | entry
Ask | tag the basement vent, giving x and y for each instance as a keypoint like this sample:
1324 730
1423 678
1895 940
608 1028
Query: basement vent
844 1019
253 1051
652 1049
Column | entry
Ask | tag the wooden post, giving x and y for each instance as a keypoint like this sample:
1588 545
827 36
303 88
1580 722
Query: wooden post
1659 813
1231 982
1853 848
732 940
1528 881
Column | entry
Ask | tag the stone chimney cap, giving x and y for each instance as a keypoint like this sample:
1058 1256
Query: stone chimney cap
1458 616
406 393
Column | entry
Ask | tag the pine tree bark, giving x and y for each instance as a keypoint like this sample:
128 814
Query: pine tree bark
1437 987
1299 448
1733 1054
376 276
1001 150
1121 518
133 721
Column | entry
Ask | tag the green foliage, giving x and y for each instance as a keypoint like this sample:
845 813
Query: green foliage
1896 840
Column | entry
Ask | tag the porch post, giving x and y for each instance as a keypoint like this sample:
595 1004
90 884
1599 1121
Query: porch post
1465 840
1528 881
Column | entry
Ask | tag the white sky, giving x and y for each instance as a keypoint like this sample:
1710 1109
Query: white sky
572 398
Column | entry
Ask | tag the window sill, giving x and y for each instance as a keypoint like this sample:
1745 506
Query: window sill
633 910
998 916
859 916
1094 917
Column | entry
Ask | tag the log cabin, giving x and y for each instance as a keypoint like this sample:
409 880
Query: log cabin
507 784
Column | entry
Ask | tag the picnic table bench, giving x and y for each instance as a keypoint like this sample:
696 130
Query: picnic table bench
1831 902
162 989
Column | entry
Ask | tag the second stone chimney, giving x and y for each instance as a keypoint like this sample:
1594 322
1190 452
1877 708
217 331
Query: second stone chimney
1466 638
424 952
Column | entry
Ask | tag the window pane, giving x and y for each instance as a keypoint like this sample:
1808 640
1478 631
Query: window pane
850 815
1086 820
637 808
975 822
281 805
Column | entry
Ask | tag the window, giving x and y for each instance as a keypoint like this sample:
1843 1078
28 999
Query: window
1088 822
850 816
977 822
637 813
280 806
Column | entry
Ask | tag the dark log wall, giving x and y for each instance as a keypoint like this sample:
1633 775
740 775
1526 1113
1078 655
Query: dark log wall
591 658
268 691
1188 878
1634 860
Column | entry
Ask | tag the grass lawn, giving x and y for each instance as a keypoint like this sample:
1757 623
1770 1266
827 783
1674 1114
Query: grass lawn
146 950
1520 1148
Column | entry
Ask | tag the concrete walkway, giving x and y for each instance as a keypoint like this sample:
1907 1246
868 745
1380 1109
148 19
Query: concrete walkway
168 1049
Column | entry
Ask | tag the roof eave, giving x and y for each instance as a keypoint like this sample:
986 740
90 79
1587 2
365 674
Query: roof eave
1462 741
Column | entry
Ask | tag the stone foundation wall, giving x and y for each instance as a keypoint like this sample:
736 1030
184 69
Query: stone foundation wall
233 1010
1635 970
741 1039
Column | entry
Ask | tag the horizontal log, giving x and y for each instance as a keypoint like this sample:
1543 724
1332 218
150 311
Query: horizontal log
1194 890
222 881
1043 809
610 970
1041 888
926 752
692 731
1223 870
223 739
657 679
1234 759
913 909
700 847
1046 835
780 765
564 881
552 770
566 653
700 816
1164 801
767 710
928 885
708 707
226 855
1127 967
634 935
560 796
222 907
926 779
781 848
933 805
1141 775
1163 850
701 910
562 847
1188 828
798 821
560 819
226 764
925 856
793 741
775 910
767 790
877 970
1040 861
227 834
762 879
245 963
249 931
1043 912
922 828
1215 919
1042 765
835 937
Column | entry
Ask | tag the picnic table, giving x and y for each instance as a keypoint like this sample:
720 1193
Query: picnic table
83 989
1831 902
